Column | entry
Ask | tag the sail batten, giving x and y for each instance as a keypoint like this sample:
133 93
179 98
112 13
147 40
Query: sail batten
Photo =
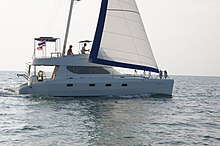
123 10
121 39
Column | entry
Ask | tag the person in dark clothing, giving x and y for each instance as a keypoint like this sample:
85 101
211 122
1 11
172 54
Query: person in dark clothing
70 52
161 74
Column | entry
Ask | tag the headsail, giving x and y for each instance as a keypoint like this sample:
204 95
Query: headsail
121 39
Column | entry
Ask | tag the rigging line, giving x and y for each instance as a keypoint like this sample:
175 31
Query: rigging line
123 10
52 17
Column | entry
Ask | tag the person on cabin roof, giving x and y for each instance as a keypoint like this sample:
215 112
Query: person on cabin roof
70 52
83 51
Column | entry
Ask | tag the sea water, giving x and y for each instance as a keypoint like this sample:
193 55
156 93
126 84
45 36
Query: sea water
190 117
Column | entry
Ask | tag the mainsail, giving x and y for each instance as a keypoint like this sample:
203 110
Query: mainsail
121 39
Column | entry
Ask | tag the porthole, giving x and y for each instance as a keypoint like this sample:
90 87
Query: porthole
69 85
108 85
91 85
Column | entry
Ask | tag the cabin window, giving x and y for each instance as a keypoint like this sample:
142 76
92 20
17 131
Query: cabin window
124 85
87 70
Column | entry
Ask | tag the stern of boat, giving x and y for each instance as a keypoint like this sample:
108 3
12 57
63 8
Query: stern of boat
24 89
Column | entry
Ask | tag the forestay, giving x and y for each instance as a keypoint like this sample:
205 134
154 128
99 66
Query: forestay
121 39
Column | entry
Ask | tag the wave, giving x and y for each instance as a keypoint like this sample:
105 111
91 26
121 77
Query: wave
146 96
135 96
8 91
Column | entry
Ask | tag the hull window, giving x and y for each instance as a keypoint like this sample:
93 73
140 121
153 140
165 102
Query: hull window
124 85
108 85
69 85
91 85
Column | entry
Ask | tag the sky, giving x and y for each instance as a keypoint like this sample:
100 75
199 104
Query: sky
184 34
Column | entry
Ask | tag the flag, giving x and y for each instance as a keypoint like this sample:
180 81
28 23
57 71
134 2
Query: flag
41 44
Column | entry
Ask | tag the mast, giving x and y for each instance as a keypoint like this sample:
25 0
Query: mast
67 27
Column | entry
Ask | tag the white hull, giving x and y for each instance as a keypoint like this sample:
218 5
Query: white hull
68 83
100 87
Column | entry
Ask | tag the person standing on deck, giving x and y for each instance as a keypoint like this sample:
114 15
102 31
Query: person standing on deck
161 74
165 74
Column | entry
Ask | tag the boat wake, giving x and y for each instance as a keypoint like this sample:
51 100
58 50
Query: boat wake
146 96
8 91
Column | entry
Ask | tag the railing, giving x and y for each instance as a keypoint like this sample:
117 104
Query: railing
23 75
56 54
26 75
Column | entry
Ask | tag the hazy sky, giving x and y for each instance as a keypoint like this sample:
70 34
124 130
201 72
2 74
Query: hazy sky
184 34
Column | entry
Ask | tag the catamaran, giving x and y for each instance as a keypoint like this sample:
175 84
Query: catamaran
120 41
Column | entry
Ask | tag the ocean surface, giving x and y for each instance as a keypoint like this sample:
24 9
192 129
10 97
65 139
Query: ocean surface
190 117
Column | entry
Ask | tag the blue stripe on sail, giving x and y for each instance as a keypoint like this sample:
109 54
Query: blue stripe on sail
125 65
97 41
99 31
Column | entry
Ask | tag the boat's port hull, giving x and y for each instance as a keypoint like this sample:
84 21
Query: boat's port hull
95 87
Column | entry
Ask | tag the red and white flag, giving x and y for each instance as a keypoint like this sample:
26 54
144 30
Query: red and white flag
41 44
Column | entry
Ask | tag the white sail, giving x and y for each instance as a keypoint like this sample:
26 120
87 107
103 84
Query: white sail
121 39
